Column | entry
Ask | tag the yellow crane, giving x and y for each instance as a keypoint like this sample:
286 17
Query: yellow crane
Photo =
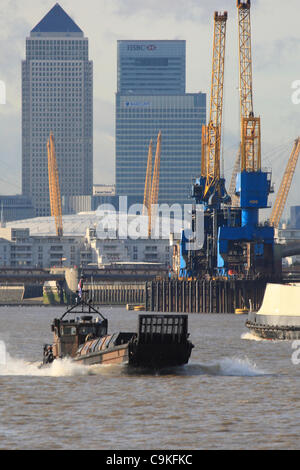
246 96
211 133
54 190
204 141
285 185
152 183
250 145
236 169
147 191
156 172
250 125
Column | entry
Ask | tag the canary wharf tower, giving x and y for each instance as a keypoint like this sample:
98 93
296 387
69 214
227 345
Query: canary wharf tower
57 96
151 97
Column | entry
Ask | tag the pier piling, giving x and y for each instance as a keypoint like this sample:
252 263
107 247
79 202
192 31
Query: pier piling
197 296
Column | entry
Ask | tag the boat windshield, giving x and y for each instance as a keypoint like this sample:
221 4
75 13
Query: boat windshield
68 330
86 329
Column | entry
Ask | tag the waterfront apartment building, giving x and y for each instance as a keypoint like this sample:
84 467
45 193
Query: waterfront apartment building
150 98
20 249
57 96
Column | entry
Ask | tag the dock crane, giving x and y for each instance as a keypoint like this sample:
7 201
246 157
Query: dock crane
249 156
247 247
250 125
210 188
246 98
152 183
235 243
285 185
236 168
54 189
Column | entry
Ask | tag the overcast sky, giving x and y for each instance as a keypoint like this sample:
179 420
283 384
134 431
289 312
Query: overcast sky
276 53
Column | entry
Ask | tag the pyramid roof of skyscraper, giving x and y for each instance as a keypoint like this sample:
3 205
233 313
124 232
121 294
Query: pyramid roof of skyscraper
56 21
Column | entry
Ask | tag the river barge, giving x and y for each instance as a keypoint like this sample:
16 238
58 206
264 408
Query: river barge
81 333
279 315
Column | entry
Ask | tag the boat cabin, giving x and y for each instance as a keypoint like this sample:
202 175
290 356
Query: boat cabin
70 334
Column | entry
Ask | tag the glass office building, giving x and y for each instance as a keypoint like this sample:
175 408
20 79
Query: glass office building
151 97
155 68
57 94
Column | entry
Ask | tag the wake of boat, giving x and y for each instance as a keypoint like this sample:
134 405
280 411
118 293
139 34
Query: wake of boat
59 368
235 367
10 366
68 368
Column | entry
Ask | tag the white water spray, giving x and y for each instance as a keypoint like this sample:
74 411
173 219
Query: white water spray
236 367
251 337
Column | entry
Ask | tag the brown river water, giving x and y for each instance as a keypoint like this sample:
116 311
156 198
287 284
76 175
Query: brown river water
236 392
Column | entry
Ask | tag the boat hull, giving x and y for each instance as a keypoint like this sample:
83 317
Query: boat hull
117 355
279 315
274 332
156 356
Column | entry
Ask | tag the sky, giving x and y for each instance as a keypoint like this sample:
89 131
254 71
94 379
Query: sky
275 54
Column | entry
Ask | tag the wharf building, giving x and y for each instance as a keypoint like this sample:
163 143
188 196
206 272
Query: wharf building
57 96
151 96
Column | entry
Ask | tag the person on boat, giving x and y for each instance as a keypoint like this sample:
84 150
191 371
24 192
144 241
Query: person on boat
80 286
48 354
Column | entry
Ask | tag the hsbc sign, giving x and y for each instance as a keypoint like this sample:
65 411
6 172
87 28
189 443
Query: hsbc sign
141 47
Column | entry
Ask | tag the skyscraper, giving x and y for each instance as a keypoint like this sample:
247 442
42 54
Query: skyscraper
151 97
155 68
57 96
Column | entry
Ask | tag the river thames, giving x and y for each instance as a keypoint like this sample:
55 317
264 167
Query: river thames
236 392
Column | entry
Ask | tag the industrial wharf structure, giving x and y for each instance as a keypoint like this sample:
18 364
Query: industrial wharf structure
115 287
186 296
203 296
165 295
153 290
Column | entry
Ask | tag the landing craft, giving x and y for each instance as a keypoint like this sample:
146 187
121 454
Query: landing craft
81 333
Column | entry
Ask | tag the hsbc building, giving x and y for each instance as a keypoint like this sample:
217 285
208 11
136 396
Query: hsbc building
151 96
151 67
